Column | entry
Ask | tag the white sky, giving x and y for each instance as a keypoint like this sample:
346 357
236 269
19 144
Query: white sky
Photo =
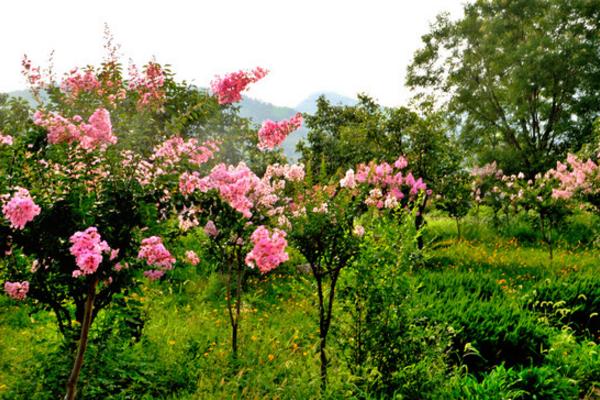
309 46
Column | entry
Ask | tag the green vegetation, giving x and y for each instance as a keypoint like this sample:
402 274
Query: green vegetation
484 317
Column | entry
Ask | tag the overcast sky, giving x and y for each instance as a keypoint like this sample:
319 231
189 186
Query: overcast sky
309 46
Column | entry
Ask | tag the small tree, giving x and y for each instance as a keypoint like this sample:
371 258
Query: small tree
326 232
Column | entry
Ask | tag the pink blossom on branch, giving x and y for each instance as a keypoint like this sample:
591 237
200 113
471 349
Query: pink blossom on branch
96 133
268 251
20 209
228 89
77 82
211 229
272 134
87 248
156 255
6 139
16 290
191 257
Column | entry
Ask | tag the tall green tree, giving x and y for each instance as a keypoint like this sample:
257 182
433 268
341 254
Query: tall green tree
520 77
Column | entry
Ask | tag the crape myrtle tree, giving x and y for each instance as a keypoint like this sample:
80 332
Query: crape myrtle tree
341 137
89 183
242 213
326 231
521 78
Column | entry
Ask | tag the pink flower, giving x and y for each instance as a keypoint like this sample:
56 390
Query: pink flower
349 180
153 274
6 139
87 248
268 251
155 253
228 89
191 257
16 290
20 209
272 134
359 230
211 229
401 163
98 131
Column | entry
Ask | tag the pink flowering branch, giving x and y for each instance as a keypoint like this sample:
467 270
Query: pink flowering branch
228 88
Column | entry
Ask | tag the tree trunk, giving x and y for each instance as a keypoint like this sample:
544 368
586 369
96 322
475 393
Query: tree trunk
83 340
457 229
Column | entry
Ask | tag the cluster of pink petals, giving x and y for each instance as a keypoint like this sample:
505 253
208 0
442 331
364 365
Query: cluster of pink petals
6 139
97 132
20 209
272 134
16 290
173 149
149 84
293 173
489 169
156 255
87 248
191 257
237 185
190 182
228 89
268 251
388 185
211 229
575 176
77 82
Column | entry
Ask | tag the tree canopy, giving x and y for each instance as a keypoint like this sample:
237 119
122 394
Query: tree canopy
520 77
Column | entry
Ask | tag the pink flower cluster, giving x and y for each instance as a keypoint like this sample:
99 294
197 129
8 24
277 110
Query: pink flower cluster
149 85
574 177
237 185
77 82
17 290
97 132
191 257
272 134
173 149
388 184
228 89
268 251
87 248
211 229
20 209
6 139
156 255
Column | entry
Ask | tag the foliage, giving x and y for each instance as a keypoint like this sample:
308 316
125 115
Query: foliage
515 75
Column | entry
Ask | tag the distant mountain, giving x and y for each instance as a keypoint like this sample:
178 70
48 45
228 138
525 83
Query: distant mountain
309 105
258 111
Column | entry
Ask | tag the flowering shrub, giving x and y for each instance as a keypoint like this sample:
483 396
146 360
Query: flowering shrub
81 181
577 178
325 225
